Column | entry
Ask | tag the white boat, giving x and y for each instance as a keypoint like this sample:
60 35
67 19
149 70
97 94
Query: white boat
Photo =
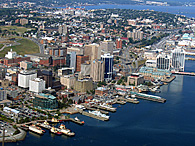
44 125
99 114
104 105
36 129
66 131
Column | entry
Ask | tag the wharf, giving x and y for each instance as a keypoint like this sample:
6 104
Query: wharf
104 108
168 80
120 102
94 109
70 110
131 101
94 116
72 120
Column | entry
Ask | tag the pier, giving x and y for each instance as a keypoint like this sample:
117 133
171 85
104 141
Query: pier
94 116
94 109
184 73
104 108
149 97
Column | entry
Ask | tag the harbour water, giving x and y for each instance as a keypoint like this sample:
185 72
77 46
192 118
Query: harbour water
145 124
181 10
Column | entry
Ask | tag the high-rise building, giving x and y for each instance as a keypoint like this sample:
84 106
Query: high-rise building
108 72
119 43
3 95
178 59
163 61
68 81
107 46
97 70
62 29
24 77
71 60
37 85
135 34
2 73
59 52
93 51
80 60
83 85
86 69
47 76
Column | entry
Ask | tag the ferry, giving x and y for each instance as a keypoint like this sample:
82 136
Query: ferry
55 131
99 114
76 119
36 129
44 125
66 131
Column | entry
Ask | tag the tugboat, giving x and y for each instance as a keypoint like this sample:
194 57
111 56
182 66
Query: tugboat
55 131
66 131
76 119
53 120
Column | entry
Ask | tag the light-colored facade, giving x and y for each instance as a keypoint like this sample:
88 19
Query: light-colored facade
25 65
67 81
24 77
151 63
135 35
11 54
3 95
135 79
65 71
93 51
97 70
37 85
85 69
178 59
107 46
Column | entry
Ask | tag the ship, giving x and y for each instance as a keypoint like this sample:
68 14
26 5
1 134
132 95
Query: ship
53 120
44 125
36 129
99 114
76 119
66 131
55 131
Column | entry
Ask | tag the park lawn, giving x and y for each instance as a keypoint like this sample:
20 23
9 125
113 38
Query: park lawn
18 29
26 47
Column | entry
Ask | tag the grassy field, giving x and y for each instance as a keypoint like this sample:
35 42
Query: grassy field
26 47
14 29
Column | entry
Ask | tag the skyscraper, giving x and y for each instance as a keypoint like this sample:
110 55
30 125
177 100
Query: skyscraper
107 46
178 59
97 70
93 51
108 72
163 61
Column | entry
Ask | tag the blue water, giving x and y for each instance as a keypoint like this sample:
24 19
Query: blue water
145 124
181 10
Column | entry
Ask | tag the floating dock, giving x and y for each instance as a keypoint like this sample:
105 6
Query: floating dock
149 97
94 116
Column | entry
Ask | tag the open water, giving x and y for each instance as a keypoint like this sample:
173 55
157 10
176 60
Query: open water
145 124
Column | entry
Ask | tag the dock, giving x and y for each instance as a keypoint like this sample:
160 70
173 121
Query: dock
131 101
94 109
122 102
94 116
149 97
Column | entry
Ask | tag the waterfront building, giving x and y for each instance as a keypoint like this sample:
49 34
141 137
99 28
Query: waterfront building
150 63
36 85
135 79
154 73
93 51
97 70
68 81
45 101
101 91
163 61
178 59
83 85
108 71
24 77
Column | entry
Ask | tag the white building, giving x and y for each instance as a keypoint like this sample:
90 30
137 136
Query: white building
68 81
11 54
72 60
24 77
36 85
178 59
85 69
151 63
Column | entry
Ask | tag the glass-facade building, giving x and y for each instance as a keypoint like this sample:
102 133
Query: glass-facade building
163 61
108 73
45 101
178 59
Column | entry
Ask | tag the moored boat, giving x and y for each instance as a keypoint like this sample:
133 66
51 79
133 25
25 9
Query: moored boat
66 131
55 131
36 129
